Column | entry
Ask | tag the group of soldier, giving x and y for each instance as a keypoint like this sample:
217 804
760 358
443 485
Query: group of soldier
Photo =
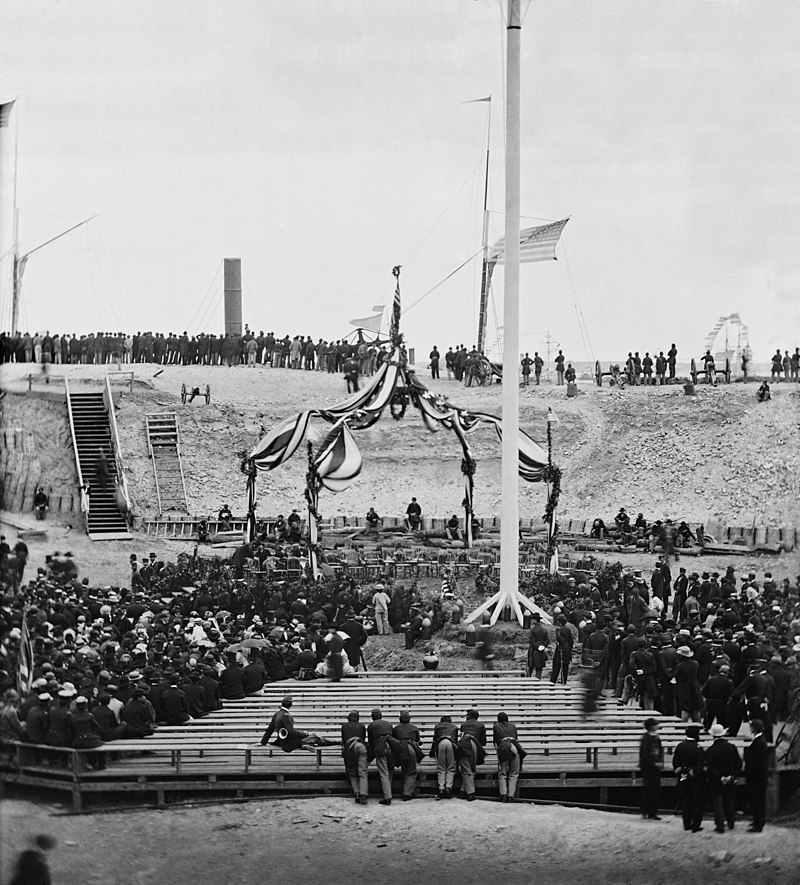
457 749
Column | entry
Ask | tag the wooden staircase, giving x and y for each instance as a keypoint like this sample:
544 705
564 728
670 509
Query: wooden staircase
92 432
165 452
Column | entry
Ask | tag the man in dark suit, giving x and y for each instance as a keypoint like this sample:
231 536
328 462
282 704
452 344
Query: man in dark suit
357 638
723 765
756 771
651 762
288 738
689 765
231 681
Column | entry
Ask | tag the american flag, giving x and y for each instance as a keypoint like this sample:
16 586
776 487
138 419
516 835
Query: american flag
395 324
535 243
25 668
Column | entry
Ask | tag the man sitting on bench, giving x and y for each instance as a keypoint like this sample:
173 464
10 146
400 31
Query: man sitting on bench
289 738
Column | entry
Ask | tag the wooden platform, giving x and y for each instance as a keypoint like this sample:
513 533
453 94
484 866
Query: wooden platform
221 753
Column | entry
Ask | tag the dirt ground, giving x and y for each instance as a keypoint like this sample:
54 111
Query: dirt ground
332 840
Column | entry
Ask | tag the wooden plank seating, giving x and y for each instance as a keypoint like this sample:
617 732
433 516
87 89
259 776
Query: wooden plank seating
222 751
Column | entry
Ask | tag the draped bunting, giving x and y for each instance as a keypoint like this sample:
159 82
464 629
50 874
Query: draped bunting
338 461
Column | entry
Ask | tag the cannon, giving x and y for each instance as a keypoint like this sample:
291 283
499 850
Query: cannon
617 377
704 373
191 393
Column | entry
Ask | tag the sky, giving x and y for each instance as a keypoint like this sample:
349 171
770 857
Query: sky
325 141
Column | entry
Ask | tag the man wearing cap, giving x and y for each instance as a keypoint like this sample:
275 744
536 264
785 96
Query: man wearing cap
379 732
651 763
689 765
723 766
37 722
509 756
757 692
756 772
563 652
443 750
407 752
471 753
289 738
717 692
354 752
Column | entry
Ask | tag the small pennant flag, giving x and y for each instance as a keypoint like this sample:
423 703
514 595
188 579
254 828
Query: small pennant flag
371 323
378 308
535 243
473 100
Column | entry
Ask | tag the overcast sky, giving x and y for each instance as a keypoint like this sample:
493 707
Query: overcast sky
325 142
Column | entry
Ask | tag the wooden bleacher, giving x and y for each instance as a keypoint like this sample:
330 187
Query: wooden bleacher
222 752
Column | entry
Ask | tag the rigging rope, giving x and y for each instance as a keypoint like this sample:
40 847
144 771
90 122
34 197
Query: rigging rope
200 306
441 282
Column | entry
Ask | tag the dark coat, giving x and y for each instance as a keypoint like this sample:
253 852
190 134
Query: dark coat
280 720
378 732
687 688
231 683
176 708
213 700
722 760
756 762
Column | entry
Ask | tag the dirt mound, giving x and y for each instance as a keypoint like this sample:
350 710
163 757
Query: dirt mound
718 455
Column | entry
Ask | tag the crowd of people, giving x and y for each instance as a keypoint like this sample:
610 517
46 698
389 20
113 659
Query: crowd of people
187 636
247 349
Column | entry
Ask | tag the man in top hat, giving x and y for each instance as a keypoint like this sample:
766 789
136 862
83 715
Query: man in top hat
688 762
354 752
723 766
651 763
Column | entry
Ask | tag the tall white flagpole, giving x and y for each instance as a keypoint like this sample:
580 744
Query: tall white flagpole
509 526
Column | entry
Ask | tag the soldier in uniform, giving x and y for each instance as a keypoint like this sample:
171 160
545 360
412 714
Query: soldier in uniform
443 750
354 752
379 734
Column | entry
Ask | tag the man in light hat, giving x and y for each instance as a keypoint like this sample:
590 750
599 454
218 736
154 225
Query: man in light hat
651 763
380 601
723 766
688 696
688 762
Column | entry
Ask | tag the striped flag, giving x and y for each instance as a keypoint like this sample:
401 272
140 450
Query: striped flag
535 243
394 329
338 461
25 667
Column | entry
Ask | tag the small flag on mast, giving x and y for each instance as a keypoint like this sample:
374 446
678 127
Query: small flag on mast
473 100
25 666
